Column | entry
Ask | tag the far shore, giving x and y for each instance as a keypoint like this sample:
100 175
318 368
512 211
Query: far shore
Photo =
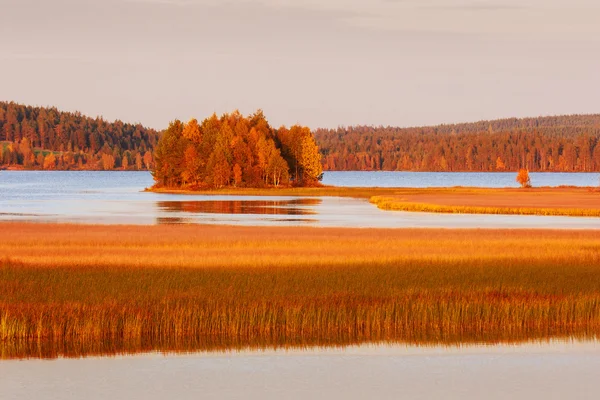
558 201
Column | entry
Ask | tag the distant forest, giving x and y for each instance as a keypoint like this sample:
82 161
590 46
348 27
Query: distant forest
46 138
233 150
563 143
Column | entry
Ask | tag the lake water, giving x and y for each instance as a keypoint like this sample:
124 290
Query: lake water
446 179
118 198
556 370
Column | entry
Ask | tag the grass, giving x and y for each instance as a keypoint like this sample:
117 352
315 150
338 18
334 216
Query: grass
401 204
77 290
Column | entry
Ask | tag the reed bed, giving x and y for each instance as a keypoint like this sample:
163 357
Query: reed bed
400 204
77 290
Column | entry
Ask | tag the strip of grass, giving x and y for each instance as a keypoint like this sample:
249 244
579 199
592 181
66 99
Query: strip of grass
399 204
207 288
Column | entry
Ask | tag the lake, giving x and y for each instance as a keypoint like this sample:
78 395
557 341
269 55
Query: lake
448 179
549 370
118 198
554 370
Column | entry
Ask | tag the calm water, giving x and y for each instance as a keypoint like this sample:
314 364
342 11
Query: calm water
446 179
532 371
117 198
550 371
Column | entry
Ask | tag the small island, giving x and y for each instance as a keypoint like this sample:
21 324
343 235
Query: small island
236 151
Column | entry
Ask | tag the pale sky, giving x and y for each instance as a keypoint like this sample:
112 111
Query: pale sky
321 63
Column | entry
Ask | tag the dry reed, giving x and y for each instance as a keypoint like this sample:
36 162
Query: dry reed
76 290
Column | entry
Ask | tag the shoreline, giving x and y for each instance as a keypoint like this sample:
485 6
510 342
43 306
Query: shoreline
543 201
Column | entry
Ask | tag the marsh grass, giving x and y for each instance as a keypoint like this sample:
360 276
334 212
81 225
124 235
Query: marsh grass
75 290
399 204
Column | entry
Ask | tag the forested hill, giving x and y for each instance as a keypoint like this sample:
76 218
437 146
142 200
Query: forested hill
46 138
561 143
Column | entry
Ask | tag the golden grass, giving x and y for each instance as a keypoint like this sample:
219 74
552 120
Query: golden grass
77 289
576 202
401 204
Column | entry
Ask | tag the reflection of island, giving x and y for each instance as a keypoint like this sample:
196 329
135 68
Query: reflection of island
260 207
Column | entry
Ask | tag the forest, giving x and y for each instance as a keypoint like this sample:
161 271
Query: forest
554 144
46 138
233 150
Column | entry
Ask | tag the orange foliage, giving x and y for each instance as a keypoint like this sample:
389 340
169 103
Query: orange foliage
234 150
523 178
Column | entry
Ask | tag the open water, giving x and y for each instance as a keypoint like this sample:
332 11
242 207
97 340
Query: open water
118 198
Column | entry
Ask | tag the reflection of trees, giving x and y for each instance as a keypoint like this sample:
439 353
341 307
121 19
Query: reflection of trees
171 221
259 207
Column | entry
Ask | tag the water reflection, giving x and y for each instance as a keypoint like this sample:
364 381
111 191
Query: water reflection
554 370
117 198
299 206
81 348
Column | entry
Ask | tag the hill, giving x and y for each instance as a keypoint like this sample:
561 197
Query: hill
46 138
562 143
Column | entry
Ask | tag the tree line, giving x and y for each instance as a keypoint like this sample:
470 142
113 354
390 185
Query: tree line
560 144
233 150
46 138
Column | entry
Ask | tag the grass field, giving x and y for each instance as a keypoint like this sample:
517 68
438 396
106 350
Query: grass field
76 290
565 201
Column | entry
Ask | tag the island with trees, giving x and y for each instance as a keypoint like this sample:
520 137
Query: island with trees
236 151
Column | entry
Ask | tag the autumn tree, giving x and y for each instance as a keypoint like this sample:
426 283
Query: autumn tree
192 132
169 156
50 161
108 161
192 165
310 160
523 178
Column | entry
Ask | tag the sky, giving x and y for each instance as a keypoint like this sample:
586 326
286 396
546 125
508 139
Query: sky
321 63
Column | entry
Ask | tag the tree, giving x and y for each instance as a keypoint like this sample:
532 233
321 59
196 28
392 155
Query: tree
148 160
193 164
108 161
277 169
237 174
50 161
169 156
192 131
523 178
138 161
310 160
500 166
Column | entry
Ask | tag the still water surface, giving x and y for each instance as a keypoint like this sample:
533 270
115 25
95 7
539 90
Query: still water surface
555 370
117 198
448 179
